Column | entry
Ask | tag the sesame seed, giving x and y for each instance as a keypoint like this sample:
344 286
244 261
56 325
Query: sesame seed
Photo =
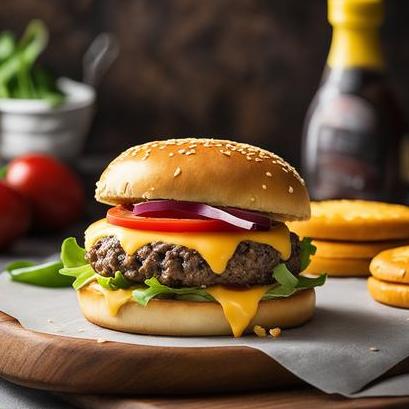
264 187
252 199
269 174
171 154
162 147
285 170
226 153
182 151
249 158
290 189
101 340
258 160
50 321
146 156
178 171
374 349
81 330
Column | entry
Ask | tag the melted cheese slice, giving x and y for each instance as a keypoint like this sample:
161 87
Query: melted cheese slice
239 306
114 300
215 247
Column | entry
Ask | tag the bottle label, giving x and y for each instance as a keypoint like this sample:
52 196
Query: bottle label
349 155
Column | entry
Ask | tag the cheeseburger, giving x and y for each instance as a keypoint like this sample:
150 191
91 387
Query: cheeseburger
195 242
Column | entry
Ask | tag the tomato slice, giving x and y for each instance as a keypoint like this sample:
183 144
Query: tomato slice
120 216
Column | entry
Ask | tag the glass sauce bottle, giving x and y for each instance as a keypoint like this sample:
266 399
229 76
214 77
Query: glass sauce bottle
353 129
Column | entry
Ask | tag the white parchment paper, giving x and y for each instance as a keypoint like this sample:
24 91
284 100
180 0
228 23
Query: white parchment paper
332 352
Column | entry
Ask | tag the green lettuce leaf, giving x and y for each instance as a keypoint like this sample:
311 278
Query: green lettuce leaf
114 283
72 255
83 275
155 288
307 250
74 263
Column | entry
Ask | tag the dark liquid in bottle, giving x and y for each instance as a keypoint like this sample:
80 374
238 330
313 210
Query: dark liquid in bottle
352 136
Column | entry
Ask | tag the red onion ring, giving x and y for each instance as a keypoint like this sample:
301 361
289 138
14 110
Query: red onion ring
243 219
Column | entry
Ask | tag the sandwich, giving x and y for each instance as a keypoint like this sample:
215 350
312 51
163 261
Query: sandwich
194 242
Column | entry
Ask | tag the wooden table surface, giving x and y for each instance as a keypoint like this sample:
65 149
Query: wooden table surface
289 399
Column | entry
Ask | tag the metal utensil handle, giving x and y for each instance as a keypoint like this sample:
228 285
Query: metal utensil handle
99 56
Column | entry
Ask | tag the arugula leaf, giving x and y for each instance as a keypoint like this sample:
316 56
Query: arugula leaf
310 282
288 284
307 250
83 275
155 288
72 255
284 277
114 283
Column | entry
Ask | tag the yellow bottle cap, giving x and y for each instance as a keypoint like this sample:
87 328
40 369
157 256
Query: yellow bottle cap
359 13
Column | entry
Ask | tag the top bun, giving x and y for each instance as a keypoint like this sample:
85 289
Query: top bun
216 172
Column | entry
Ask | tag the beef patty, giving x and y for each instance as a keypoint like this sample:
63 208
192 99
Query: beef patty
178 266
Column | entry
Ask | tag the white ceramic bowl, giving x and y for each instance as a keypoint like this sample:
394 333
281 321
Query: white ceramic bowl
28 126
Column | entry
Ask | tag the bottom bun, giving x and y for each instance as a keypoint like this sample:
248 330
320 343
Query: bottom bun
389 293
339 267
188 318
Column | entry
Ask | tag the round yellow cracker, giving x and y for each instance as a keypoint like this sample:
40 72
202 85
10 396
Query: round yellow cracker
345 267
355 220
343 249
393 294
392 265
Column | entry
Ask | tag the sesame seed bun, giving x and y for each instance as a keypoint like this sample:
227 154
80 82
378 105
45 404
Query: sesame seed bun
188 318
216 172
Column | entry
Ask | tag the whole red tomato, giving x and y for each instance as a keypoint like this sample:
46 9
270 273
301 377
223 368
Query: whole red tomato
14 215
53 190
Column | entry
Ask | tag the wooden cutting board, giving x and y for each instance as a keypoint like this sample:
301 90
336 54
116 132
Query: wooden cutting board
65 364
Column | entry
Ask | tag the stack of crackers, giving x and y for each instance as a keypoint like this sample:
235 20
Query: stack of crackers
390 281
349 233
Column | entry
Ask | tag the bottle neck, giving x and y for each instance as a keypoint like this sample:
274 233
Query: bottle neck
356 47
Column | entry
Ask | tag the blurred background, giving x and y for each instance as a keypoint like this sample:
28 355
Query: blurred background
242 69
239 69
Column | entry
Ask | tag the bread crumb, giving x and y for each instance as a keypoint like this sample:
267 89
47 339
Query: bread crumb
259 331
275 332
101 340
81 330
50 321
